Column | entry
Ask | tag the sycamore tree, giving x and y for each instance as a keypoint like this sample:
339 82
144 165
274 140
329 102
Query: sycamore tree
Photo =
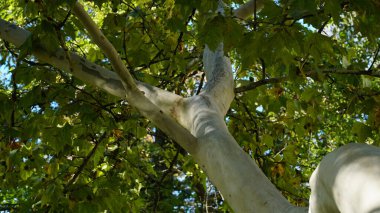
189 106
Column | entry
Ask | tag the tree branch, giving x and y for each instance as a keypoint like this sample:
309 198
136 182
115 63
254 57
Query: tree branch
13 34
170 104
105 45
259 83
346 72
254 85
164 175
320 30
84 162
374 57
218 67
219 78
179 40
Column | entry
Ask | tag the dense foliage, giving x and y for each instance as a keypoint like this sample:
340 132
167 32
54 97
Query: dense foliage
307 80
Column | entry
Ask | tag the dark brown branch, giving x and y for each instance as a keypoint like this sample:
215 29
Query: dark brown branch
97 103
63 22
200 84
179 40
256 84
145 23
374 57
255 129
346 72
324 25
85 161
166 173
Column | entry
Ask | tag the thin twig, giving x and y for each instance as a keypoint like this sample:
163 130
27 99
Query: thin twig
256 84
200 84
85 161
259 83
166 173
324 25
374 58
179 40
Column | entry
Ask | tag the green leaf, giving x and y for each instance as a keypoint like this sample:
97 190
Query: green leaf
268 140
99 153
25 173
362 131
333 7
300 129
308 94
212 31
25 48
232 34
290 154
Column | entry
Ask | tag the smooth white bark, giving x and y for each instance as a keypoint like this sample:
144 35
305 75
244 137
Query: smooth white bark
85 70
107 48
233 171
169 104
134 96
220 82
347 181
249 8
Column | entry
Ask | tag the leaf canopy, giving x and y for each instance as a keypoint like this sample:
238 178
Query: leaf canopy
307 81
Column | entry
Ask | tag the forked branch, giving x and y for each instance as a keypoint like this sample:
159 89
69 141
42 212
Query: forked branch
110 81
134 96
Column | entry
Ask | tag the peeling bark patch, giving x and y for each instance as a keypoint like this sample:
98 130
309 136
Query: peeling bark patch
173 111
113 83
91 71
206 100
116 84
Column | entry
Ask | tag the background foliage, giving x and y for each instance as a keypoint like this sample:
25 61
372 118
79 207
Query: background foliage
307 81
